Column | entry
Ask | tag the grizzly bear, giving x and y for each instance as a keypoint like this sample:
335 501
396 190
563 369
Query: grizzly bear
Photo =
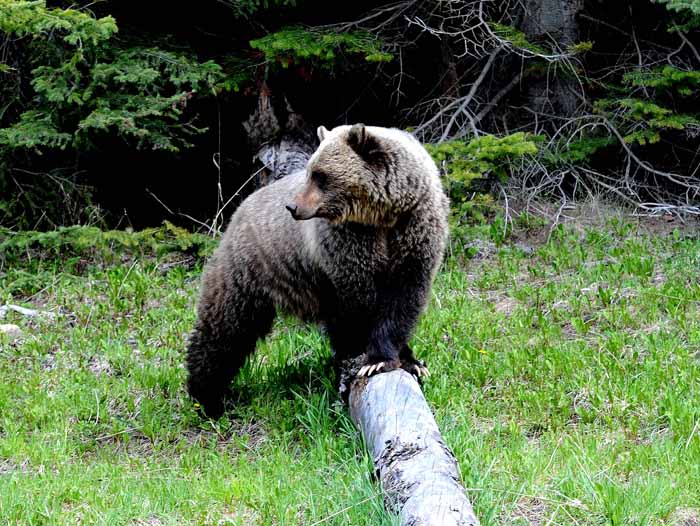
356 250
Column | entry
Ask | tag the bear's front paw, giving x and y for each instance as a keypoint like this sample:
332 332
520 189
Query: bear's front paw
375 366
415 367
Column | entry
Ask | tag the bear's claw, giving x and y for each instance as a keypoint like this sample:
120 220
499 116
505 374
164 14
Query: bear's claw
416 368
419 370
368 370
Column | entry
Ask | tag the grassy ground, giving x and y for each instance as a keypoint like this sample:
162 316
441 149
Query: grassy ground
566 378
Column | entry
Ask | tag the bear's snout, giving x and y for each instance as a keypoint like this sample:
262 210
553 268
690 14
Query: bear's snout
300 212
306 204
292 210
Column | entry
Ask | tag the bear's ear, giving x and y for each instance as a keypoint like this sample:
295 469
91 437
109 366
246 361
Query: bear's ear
357 137
364 144
321 131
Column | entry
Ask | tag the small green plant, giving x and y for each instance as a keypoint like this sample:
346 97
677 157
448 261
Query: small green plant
499 230
666 78
250 7
644 121
515 37
580 47
653 103
580 151
296 44
103 245
692 6
471 168
85 82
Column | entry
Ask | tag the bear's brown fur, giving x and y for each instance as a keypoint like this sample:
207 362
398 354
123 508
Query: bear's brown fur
358 253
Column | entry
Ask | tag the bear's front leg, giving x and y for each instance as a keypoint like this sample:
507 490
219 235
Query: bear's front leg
400 304
382 354
351 335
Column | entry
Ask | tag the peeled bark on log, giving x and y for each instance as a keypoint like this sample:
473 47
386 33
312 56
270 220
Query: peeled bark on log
418 472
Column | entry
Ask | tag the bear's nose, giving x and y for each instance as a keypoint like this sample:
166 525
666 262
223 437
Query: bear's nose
292 210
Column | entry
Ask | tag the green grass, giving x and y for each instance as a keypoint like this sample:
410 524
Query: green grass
565 377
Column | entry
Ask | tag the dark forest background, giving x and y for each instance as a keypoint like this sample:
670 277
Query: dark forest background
123 113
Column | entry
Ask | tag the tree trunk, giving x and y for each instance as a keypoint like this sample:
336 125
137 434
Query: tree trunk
418 472
553 22
280 138
555 18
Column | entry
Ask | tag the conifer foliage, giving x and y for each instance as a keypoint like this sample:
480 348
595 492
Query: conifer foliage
556 105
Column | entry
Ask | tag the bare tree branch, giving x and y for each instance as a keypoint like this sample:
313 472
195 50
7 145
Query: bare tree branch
468 98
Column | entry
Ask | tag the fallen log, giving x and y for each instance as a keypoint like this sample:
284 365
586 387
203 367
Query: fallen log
418 473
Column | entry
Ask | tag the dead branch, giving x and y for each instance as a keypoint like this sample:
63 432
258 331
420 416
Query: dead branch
466 100
281 140
497 98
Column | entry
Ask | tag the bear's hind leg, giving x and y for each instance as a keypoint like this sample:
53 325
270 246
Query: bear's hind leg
229 324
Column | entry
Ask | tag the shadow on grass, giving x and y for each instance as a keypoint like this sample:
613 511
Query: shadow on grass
313 373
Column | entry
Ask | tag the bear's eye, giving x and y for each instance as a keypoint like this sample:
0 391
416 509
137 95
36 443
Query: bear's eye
319 178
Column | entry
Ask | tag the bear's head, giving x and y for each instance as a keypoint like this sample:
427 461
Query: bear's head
364 174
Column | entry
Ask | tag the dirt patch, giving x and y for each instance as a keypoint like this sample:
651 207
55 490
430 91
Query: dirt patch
528 511
151 521
580 400
255 433
506 305
595 213
99 366
480 249
11 467
49 362
230 516
685 517
7 467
